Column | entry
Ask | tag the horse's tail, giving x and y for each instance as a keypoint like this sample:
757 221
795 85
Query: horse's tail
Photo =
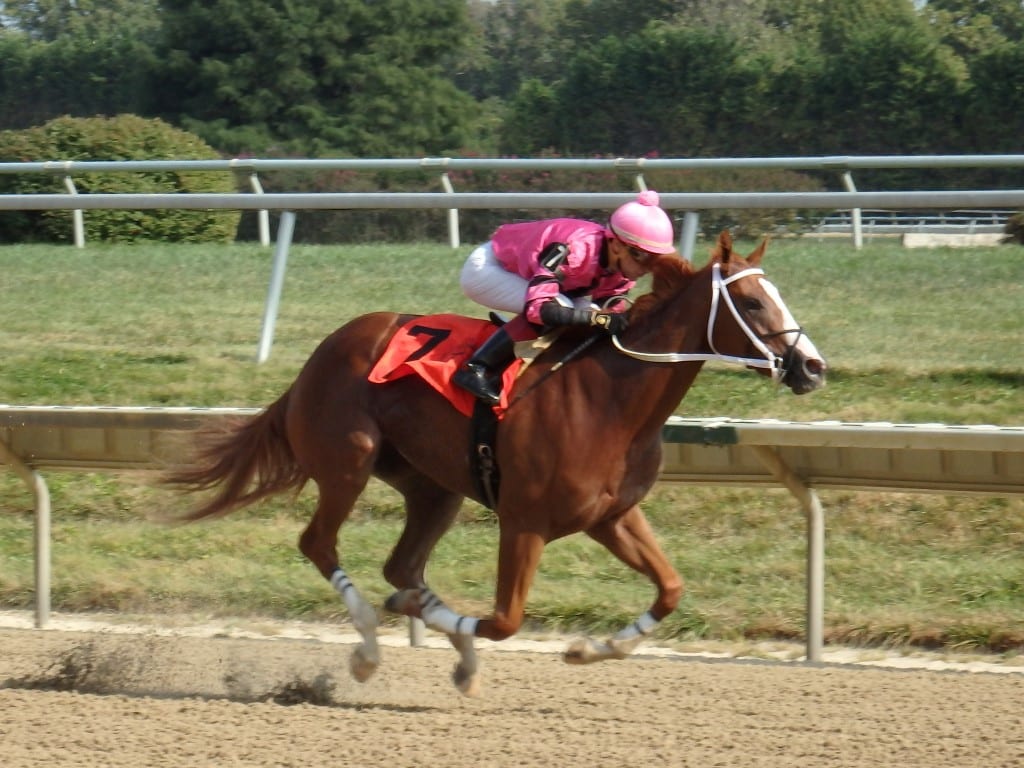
246 460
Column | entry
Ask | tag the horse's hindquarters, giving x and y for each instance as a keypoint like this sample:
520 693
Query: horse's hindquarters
426 430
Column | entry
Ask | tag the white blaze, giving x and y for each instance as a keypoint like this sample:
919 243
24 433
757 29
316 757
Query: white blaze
804 345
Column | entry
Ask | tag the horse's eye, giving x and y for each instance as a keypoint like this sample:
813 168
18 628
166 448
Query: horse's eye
752 305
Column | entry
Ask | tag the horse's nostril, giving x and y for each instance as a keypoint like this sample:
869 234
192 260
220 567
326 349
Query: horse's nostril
815 367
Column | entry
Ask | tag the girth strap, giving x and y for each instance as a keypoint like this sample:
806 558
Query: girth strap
483 454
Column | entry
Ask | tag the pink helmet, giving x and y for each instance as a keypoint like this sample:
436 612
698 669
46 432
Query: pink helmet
643 224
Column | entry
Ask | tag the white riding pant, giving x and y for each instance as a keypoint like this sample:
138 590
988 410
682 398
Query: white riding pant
487 282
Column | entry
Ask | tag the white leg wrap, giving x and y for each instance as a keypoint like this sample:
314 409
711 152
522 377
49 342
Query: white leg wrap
439 616
366 657
344 586
642 626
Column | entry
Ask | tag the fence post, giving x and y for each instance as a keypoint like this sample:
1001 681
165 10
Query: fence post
858 233
77 217
263 215
815 515
285 229
453 213
688 234
41 497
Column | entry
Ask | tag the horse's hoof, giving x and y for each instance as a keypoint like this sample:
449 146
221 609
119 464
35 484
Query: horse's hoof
360 666
404 602
467 683
578 652
583 650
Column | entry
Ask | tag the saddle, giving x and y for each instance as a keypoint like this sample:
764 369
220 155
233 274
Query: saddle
433 347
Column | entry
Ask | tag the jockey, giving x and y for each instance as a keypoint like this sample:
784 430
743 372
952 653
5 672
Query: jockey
552 273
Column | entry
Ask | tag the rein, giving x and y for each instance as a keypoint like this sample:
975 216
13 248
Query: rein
575 351
720 294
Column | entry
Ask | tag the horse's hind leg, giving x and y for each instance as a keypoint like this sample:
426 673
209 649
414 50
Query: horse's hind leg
631 539
319 544
430 511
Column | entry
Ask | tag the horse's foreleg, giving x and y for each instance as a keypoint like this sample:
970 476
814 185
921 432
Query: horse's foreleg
422 603
518 556
466 674
631 539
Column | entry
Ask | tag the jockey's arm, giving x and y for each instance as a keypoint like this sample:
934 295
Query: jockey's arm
553 313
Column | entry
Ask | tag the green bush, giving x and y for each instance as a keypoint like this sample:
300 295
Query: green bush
125 137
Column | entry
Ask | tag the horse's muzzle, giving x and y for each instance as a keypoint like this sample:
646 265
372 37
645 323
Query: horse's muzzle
804 374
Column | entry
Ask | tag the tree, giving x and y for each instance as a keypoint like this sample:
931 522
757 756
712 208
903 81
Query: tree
667 90
323 75
995 101
519 40
74 74
973 27
890 89
843 20
51 19
587 22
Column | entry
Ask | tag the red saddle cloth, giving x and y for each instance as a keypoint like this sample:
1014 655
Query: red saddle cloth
433 347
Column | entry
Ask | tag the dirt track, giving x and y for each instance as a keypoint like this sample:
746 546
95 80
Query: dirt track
91 699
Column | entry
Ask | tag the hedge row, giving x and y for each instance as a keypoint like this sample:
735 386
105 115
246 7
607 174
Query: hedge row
125 137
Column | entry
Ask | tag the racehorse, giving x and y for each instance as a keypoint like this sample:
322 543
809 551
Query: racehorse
578 447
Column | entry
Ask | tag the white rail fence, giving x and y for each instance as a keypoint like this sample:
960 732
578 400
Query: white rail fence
839 164
803 457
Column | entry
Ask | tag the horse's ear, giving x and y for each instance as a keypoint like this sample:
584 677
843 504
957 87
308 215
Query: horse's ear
723 250
755 257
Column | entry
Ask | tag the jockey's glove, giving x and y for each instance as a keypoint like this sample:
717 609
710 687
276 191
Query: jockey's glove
612 322
553 314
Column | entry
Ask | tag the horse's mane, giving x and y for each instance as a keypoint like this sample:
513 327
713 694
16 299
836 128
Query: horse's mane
670 273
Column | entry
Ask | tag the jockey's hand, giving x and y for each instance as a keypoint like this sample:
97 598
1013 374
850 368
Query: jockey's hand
611 322
554 314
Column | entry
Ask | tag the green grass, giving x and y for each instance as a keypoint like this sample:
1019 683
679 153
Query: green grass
911 336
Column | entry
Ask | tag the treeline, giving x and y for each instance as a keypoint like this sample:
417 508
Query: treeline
671 78
684 78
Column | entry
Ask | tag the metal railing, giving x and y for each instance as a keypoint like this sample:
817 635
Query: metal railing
897 222
844 165
802 456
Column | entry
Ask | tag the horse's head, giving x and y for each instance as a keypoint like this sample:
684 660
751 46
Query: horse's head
750 321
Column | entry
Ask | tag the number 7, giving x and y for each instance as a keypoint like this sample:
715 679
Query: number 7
436 337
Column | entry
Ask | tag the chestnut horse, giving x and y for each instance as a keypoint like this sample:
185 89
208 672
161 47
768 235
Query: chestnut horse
578 448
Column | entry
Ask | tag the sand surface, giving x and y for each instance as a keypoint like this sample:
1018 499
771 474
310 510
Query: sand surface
107 698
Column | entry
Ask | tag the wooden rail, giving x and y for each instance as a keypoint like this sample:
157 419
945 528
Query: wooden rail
802 456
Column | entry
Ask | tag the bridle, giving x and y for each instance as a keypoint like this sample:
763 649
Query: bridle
778 365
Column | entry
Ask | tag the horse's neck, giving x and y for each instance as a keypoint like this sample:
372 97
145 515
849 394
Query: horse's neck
678 324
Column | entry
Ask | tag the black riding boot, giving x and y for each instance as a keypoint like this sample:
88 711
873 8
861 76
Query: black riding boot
481 373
